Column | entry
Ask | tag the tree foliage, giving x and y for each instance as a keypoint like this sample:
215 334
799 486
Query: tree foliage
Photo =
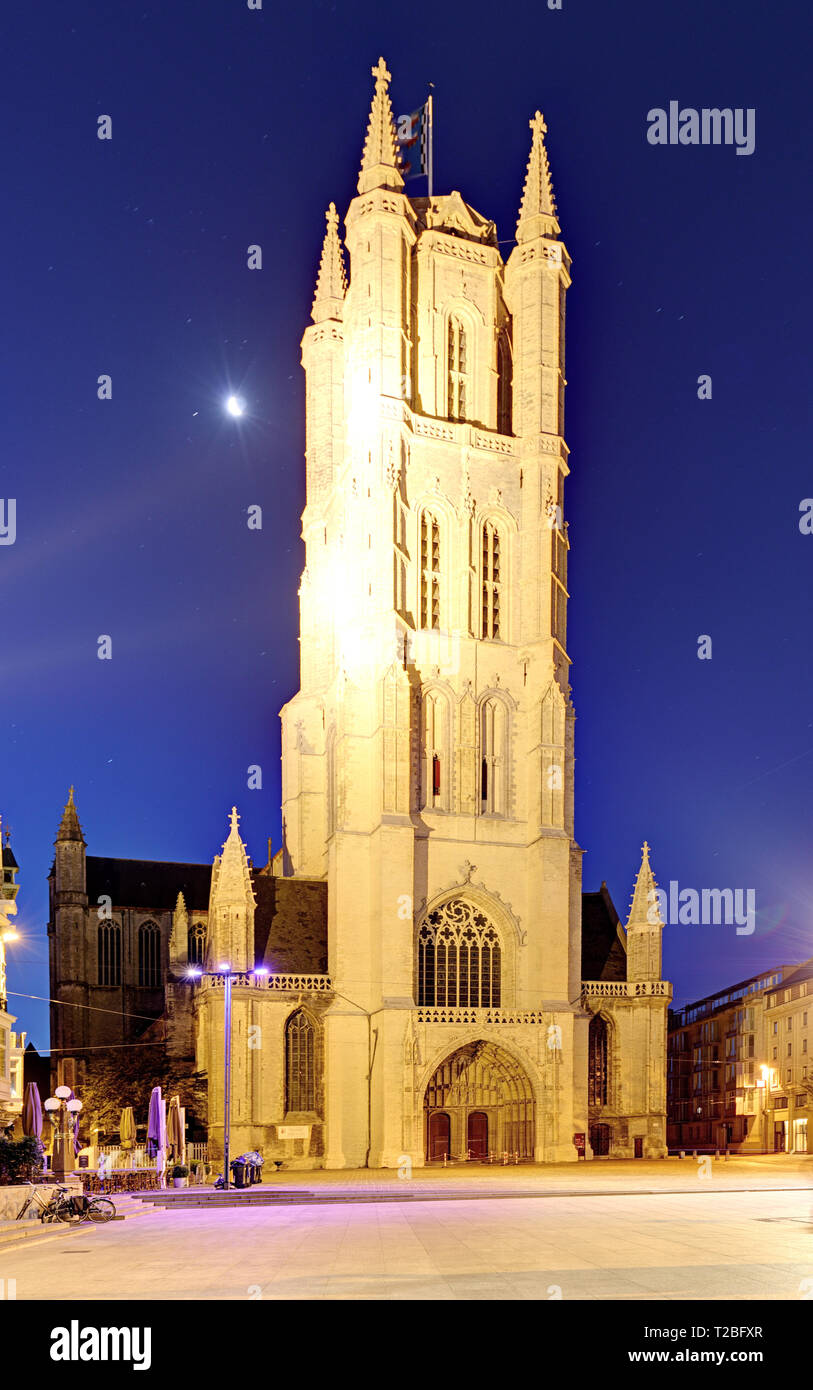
126 1076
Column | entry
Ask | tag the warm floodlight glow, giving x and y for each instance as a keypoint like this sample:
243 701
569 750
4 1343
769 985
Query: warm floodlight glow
10 936
236 406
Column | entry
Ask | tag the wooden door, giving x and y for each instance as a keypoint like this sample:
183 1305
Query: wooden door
477 1134
439 1135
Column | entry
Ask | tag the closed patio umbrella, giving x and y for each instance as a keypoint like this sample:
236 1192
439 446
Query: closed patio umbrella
32 1112
157 1132
127 1130
175 1131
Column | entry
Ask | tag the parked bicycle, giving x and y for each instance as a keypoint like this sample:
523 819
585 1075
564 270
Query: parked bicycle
66 1205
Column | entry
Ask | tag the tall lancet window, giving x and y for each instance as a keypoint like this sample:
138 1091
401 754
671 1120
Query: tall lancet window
149 955
435 752
399 557
430 571
597 1068
458 370
109 944
300 1067
491 581
504 383
493 759
330 790
196 944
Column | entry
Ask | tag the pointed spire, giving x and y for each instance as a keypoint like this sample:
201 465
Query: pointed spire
379 162
537 213
645 908
231 879
179 935
69 828
331 283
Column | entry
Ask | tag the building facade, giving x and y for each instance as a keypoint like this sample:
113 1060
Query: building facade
739 1073
788 1095
439 986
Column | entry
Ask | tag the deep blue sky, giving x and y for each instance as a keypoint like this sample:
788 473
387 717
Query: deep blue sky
232 127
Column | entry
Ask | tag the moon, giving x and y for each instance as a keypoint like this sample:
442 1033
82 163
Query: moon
236 405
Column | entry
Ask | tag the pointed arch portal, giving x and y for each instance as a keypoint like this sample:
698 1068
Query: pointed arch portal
479 1102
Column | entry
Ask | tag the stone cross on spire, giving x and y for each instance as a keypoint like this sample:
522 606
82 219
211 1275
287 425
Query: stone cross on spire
379 162
537 213
331 283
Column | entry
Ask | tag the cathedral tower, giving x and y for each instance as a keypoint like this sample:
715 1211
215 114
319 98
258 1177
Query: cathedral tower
428 755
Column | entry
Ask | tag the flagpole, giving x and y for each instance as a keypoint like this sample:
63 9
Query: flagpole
430 160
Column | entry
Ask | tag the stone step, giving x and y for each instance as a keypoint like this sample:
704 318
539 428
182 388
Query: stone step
14 1233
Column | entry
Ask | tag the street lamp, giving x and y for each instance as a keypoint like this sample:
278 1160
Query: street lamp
225 971
62 1109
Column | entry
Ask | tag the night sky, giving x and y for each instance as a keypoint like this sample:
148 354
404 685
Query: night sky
128 257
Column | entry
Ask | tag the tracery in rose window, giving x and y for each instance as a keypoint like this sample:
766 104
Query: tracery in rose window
459 958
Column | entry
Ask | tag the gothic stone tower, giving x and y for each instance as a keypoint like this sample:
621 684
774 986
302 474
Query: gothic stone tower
428 755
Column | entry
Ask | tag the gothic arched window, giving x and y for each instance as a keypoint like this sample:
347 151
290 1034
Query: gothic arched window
300 1072
330 753
109 952
491 581
436 762
196 944
597 1062
149 955
504 385
459 958
458 371
430 571
493 758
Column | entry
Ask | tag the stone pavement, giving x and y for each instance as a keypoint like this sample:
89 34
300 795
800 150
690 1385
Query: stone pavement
600 1176
745 1234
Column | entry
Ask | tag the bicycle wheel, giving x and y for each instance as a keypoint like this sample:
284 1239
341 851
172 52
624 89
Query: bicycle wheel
101 1209
60 1211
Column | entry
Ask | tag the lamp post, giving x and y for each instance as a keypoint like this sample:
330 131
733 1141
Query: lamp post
226 973
763 1086
62 1110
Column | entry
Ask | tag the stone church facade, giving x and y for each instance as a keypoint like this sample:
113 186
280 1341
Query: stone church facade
438 984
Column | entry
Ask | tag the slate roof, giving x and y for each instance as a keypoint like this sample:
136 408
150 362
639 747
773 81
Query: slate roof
148 884
603 954
290 924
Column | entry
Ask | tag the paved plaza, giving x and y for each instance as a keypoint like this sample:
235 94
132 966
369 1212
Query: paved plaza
600 1231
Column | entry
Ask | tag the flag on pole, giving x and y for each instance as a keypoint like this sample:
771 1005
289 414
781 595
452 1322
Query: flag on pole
414 132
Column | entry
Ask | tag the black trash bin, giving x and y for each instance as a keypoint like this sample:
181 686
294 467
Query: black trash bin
238 1173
